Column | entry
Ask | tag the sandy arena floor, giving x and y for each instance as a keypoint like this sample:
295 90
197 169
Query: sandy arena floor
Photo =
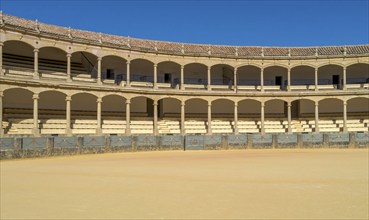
281 184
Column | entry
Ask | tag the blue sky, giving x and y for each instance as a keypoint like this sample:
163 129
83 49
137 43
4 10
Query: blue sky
259 23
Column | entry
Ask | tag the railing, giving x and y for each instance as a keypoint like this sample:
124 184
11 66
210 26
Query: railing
357 80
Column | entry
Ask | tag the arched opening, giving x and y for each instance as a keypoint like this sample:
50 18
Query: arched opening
18 58
18 111
330 108
275 116
222 74
195 74
169 110
357 75
52 112
358 108
113 69
52 62
330 75
170 73
248 77
249 116
84 66
84 113
222 114
142 115
275 77
196 111
141 71
302 77
113 115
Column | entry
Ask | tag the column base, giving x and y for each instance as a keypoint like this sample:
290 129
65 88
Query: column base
99 82
98 131
36 132
68 132
128 85
36 76
182 87
128 132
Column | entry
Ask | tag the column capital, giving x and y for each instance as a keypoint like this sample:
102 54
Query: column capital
128 101
235 70
1 43
99 100
262 104
99 58
35 96
344 68
235 104
69 55
68 98
289 104
155 65
316 104
36 50
209 68
344 102
155 102
128 62
182 67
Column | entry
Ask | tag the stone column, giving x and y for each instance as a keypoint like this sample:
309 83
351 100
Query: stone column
183 130
35 131
262 118
69 78
209 118
316 79
1 59
1 114
316 117
344 79
235 118
182 78
156 129
262 79
155 76
98 129
68 130
99 70
209 78
345 116
235 79
289 79
128 116
289 117
128 78
35 72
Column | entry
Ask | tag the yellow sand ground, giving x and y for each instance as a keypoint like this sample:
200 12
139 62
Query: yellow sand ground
295 184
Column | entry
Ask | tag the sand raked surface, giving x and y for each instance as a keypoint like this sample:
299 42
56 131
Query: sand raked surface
242 184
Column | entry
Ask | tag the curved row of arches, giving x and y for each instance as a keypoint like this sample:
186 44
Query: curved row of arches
19 54
149 108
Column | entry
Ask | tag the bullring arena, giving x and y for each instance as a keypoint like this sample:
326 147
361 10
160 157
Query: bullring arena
65 91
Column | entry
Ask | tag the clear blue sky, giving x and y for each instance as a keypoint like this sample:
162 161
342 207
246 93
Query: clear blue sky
260 23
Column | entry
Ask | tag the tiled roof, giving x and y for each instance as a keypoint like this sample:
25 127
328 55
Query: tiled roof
12 22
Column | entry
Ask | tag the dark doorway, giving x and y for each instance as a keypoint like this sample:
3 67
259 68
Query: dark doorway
109 73
278 81
336 79
295 109
167 78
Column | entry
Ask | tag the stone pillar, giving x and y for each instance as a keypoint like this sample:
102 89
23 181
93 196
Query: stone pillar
235 118
156 129
316 117
209 78
1 59
289 79
128 116
262 79
262 118
289 117
99 70
235 79
182 78
35 72
183 130
68 130
128 78
35 130
316 79
1 114
209 118
69 78
155 76
344 79
345 116
98 129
